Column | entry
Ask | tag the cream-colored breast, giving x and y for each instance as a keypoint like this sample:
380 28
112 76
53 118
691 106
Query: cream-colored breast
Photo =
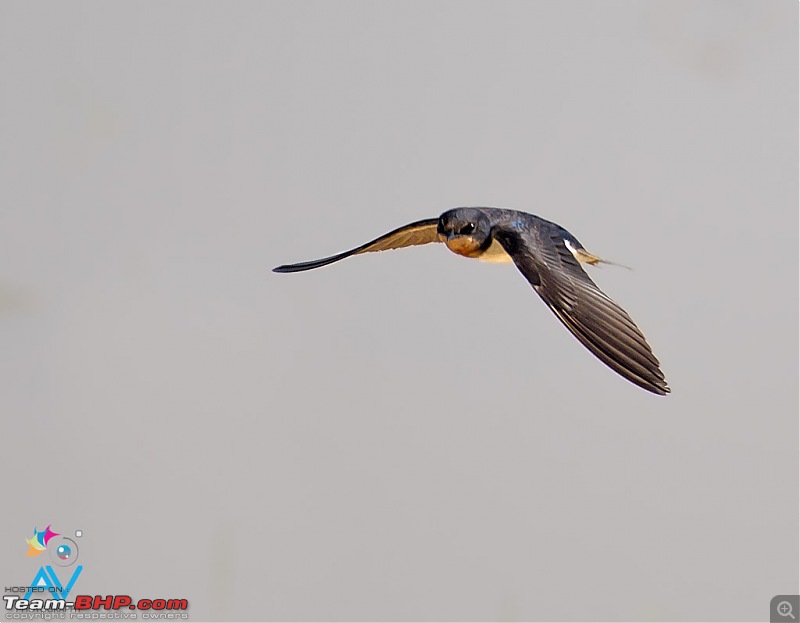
495 253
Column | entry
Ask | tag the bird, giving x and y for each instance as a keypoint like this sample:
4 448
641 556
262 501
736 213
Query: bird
550 258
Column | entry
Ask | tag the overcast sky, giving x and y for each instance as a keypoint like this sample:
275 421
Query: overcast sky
405 435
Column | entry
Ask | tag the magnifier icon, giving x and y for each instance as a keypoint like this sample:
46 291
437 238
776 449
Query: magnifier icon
785 609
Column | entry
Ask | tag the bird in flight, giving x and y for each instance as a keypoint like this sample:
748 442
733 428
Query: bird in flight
550 258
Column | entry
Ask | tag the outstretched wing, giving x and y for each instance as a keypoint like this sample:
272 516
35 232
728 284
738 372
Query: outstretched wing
599 323
421 232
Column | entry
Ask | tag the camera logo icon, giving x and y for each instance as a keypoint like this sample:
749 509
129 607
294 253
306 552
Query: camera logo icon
63 551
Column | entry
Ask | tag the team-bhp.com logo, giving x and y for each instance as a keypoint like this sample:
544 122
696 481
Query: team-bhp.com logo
121 604
63 552
50 592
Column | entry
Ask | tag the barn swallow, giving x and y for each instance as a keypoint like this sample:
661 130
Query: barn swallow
550 258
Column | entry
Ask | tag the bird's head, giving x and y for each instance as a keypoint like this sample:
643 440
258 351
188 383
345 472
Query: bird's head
466 231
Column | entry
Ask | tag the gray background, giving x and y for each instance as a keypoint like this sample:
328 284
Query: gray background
405 435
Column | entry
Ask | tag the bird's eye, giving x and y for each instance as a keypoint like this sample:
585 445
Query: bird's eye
467 229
